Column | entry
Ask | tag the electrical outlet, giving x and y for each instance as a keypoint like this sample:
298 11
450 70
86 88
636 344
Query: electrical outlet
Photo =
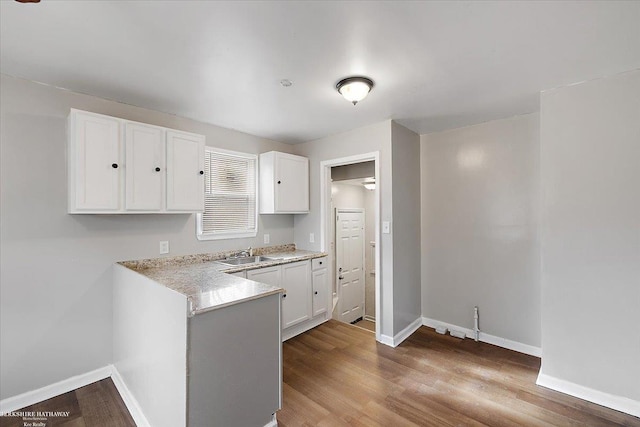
386 227
164 247
312 238
266 238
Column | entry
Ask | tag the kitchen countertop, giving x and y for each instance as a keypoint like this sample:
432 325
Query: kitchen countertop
204 281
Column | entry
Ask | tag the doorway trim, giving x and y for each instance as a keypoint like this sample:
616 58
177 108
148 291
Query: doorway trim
326 215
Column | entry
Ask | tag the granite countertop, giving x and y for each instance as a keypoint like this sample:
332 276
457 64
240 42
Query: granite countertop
204 281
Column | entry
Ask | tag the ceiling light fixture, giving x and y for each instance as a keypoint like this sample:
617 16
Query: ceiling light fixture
370 183
354 89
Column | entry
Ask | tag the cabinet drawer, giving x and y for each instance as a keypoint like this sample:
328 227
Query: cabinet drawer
319 263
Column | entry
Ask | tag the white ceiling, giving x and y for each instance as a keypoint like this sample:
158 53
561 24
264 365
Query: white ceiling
436 65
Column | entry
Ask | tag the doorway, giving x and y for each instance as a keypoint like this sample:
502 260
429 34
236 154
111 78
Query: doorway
350 230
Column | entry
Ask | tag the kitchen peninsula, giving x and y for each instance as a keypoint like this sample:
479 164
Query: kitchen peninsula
196 345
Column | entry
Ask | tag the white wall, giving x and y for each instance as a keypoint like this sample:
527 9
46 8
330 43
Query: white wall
55 280
590 157
479 227
347 196
406 227
370 257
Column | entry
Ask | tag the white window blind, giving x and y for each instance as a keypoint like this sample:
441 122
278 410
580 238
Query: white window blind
230 195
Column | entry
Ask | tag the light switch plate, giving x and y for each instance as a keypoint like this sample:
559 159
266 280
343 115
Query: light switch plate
164 247
386 227
312 238
266 238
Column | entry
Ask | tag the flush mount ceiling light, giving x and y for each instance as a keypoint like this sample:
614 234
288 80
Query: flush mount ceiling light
370 183
354 89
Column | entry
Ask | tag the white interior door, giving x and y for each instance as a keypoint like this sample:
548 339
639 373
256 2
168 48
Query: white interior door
350 263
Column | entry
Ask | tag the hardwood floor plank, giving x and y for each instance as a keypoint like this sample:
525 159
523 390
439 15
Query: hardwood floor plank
95 405
429 380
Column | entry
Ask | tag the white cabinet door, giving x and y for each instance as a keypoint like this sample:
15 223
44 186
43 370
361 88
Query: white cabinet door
268 275
296 301
319 283
94 163
145 164
292 183
185 171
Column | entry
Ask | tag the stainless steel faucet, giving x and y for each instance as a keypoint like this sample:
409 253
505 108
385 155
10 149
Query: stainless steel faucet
244 253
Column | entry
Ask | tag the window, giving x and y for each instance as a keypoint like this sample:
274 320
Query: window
230 208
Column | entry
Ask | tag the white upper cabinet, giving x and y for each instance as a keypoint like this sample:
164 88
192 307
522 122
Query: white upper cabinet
284 183
119 166
185 171
145 166
95 168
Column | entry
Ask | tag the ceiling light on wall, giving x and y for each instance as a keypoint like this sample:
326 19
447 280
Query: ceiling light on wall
286 82
370 184
354 89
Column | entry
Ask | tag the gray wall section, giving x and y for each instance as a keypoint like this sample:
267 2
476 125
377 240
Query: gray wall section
479 227
406 226
236 384
590 157
376 137
55 280
354 171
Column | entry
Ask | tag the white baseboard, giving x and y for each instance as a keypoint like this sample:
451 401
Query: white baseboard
294 330
619 403
29 398
489 339
397 339
369 318
386 340
272 423
130 402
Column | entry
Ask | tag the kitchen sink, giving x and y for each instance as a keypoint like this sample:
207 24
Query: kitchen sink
246 260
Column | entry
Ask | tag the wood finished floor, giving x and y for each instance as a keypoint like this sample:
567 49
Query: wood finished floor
337 375
96 405
366 324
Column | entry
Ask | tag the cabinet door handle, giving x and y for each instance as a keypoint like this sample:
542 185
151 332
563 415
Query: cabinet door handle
340 277
114 165
320 262
157 169
201 172
279 182
284 295
315 293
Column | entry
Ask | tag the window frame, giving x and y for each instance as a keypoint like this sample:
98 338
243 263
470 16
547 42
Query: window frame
232 234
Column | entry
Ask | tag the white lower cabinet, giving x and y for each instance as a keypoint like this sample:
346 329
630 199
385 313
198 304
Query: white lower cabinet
319 283
268 275
306 292
296 300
